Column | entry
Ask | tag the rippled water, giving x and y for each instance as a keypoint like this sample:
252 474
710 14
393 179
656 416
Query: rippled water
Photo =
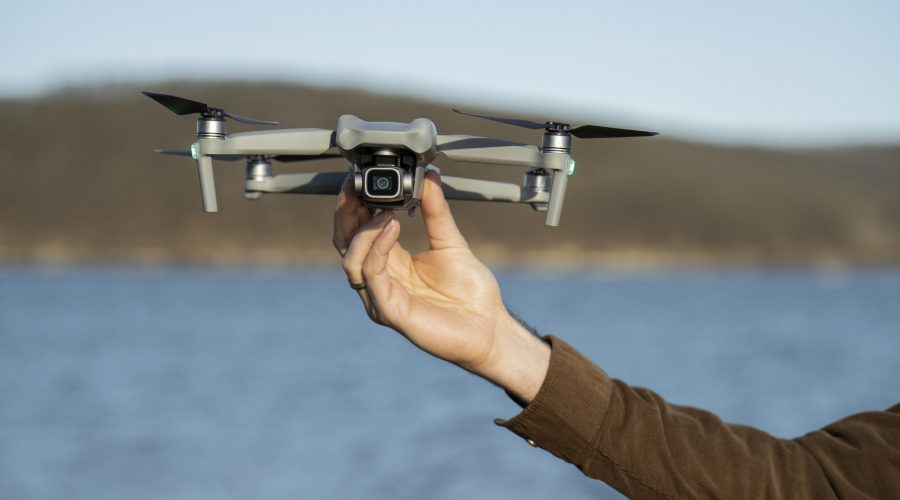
268 384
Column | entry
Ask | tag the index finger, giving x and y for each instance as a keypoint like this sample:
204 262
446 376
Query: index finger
349 214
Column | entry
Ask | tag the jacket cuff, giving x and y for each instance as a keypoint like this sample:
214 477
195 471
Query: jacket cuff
568 411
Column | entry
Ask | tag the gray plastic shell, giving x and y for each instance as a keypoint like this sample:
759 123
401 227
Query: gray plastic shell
418 136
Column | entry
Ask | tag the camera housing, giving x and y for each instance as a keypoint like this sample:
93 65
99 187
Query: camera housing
387 177
388 159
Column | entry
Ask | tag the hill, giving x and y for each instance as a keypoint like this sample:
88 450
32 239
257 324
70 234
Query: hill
81 183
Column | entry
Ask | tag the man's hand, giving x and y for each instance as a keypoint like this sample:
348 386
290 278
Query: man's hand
445 301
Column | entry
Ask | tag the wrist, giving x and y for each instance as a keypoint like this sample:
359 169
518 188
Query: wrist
518 361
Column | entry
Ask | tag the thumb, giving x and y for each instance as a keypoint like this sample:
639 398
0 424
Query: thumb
439 224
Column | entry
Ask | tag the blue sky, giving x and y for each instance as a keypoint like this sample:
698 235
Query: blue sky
772 72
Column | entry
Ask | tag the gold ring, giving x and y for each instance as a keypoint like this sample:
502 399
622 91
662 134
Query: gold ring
358 286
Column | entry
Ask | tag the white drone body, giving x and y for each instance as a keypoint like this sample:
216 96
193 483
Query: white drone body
387 160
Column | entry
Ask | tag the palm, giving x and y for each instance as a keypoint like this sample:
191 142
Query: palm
444 301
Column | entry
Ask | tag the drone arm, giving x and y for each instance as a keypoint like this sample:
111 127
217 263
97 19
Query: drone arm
455 188
463 188
300 183
467 148
301 141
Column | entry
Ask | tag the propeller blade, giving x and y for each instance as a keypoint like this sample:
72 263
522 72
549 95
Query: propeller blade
177 105
182 106
582 132
251 121
281 158
509 121
598 132
187 153
174 152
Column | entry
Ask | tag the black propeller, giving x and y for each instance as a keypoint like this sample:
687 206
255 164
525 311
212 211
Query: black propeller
583 132
281 158
182 106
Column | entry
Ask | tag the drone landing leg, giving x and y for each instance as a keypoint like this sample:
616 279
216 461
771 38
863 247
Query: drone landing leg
557 196
558 163
207 184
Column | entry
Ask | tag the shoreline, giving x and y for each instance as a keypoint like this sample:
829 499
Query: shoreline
631 259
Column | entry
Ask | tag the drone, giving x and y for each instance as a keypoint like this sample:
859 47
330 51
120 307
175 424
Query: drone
387 160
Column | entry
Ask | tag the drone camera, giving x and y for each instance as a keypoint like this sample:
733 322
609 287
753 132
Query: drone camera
385 178
383 183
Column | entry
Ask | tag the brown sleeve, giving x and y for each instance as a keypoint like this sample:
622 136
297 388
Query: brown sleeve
644 447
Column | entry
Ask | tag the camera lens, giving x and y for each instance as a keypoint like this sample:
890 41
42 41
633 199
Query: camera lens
383 183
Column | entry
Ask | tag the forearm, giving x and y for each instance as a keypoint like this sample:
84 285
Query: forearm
653 449
646 448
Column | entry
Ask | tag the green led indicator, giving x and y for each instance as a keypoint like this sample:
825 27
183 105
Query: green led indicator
194 151
571 170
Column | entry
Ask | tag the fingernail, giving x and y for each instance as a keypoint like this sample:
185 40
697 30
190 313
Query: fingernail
390 225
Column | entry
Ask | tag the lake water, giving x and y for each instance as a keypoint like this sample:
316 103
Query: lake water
187 383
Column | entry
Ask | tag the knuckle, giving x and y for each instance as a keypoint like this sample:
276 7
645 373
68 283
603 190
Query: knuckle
346 264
